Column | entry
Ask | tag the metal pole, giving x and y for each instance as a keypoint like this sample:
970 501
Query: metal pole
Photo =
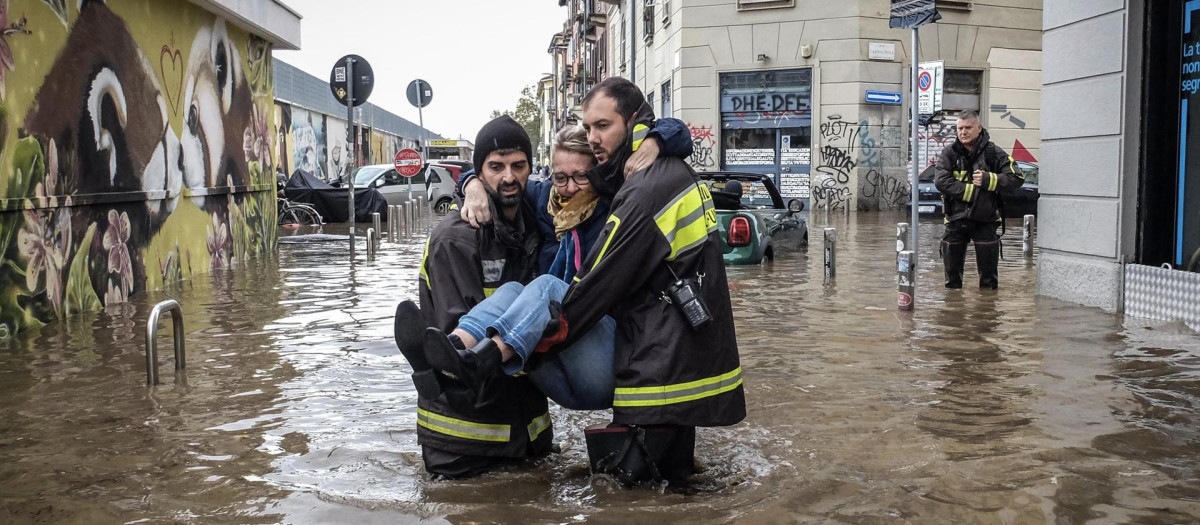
902 230
830 254
152 333
906 277
350 143
370 244
421 124
916 164
379 231
1027 238
408 225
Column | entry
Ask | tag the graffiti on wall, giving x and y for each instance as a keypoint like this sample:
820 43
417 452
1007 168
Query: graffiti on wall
704 145
131 154
859 155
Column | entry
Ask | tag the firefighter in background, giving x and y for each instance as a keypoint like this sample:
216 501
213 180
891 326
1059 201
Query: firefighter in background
970 173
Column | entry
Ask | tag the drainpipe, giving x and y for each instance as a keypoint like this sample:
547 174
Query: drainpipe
632 41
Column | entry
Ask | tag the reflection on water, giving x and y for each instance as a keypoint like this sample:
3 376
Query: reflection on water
979 407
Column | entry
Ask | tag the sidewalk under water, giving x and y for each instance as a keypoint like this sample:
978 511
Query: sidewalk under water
978 407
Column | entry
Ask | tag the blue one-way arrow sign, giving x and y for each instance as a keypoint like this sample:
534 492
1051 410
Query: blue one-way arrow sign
883 97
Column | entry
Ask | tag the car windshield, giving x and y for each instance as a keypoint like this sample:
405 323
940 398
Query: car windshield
364 175
1029 171
755 195
926 175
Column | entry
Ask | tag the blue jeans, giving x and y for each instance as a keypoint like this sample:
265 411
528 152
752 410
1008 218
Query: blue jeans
579 377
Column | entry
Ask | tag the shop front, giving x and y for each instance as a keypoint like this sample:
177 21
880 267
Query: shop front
766 123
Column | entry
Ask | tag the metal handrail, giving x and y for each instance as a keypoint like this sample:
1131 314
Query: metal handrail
152 332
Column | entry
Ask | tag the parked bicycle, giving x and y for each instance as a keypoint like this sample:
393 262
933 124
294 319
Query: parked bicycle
293 215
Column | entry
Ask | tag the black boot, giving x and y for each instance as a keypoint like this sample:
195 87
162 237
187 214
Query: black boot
987 259
954 256
470 367
409 330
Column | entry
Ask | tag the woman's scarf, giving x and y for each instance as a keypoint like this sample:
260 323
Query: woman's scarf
569 214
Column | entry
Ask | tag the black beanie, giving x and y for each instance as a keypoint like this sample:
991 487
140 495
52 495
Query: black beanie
501 133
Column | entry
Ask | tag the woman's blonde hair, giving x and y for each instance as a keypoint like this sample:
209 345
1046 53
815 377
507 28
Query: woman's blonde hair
572 139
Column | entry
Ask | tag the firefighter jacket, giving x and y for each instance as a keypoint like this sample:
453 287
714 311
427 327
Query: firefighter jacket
961 198
667 373
462 266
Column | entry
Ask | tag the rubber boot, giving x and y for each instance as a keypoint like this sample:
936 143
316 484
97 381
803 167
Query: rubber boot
470 368
955 255
987 259
409 331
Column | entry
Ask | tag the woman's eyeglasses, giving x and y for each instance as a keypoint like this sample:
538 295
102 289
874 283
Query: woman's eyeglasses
560 179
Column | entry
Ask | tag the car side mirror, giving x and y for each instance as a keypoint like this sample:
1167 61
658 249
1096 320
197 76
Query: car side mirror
795 205
380 182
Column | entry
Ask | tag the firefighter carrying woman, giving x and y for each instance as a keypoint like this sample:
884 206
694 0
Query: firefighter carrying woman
631 310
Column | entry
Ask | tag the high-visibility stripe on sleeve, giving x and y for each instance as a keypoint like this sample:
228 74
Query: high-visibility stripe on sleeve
424 256
969 192
679 393
992 181
612 231
687 219
487 292
461 428
538 425
640 132
961 176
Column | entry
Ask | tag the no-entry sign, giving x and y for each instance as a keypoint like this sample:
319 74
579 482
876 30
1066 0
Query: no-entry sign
408 162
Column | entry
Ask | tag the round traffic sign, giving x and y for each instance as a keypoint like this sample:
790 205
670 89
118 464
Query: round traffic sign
925 80
408 162
363 81
419 93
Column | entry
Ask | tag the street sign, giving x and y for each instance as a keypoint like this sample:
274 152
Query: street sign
930 78
883 97
911 14
881 51
364 80
419 93
408 162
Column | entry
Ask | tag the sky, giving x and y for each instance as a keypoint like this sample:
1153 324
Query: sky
477 55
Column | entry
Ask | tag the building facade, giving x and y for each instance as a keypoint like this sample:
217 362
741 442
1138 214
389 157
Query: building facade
1120 205
778 86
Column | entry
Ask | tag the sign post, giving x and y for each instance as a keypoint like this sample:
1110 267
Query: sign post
420 94
912 14
351 82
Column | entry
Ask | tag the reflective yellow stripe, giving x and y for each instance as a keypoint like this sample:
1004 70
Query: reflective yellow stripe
425 274
969 192
671 394
960 175
687 220
616 223
992 181
463 429
538 425
487 292
640 131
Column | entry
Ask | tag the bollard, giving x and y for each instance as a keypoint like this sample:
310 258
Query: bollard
378 230
414 217
830 254
1027 237
902 233
409 227
393 220
370 244
421 211
906 277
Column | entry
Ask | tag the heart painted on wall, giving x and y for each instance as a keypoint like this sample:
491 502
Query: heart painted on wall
172 79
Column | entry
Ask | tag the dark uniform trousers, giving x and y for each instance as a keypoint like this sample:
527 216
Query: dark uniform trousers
987 251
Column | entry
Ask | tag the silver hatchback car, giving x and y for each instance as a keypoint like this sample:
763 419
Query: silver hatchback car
436 181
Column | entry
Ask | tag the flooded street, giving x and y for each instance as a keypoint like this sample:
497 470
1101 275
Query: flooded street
295 407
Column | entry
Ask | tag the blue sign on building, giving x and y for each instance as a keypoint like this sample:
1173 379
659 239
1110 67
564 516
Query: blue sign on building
883 97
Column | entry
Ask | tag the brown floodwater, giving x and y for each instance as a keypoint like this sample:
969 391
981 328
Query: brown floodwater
295 407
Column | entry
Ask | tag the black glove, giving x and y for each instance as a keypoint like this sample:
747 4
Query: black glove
555 308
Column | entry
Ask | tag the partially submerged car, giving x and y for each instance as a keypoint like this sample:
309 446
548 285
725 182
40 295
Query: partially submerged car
755 223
